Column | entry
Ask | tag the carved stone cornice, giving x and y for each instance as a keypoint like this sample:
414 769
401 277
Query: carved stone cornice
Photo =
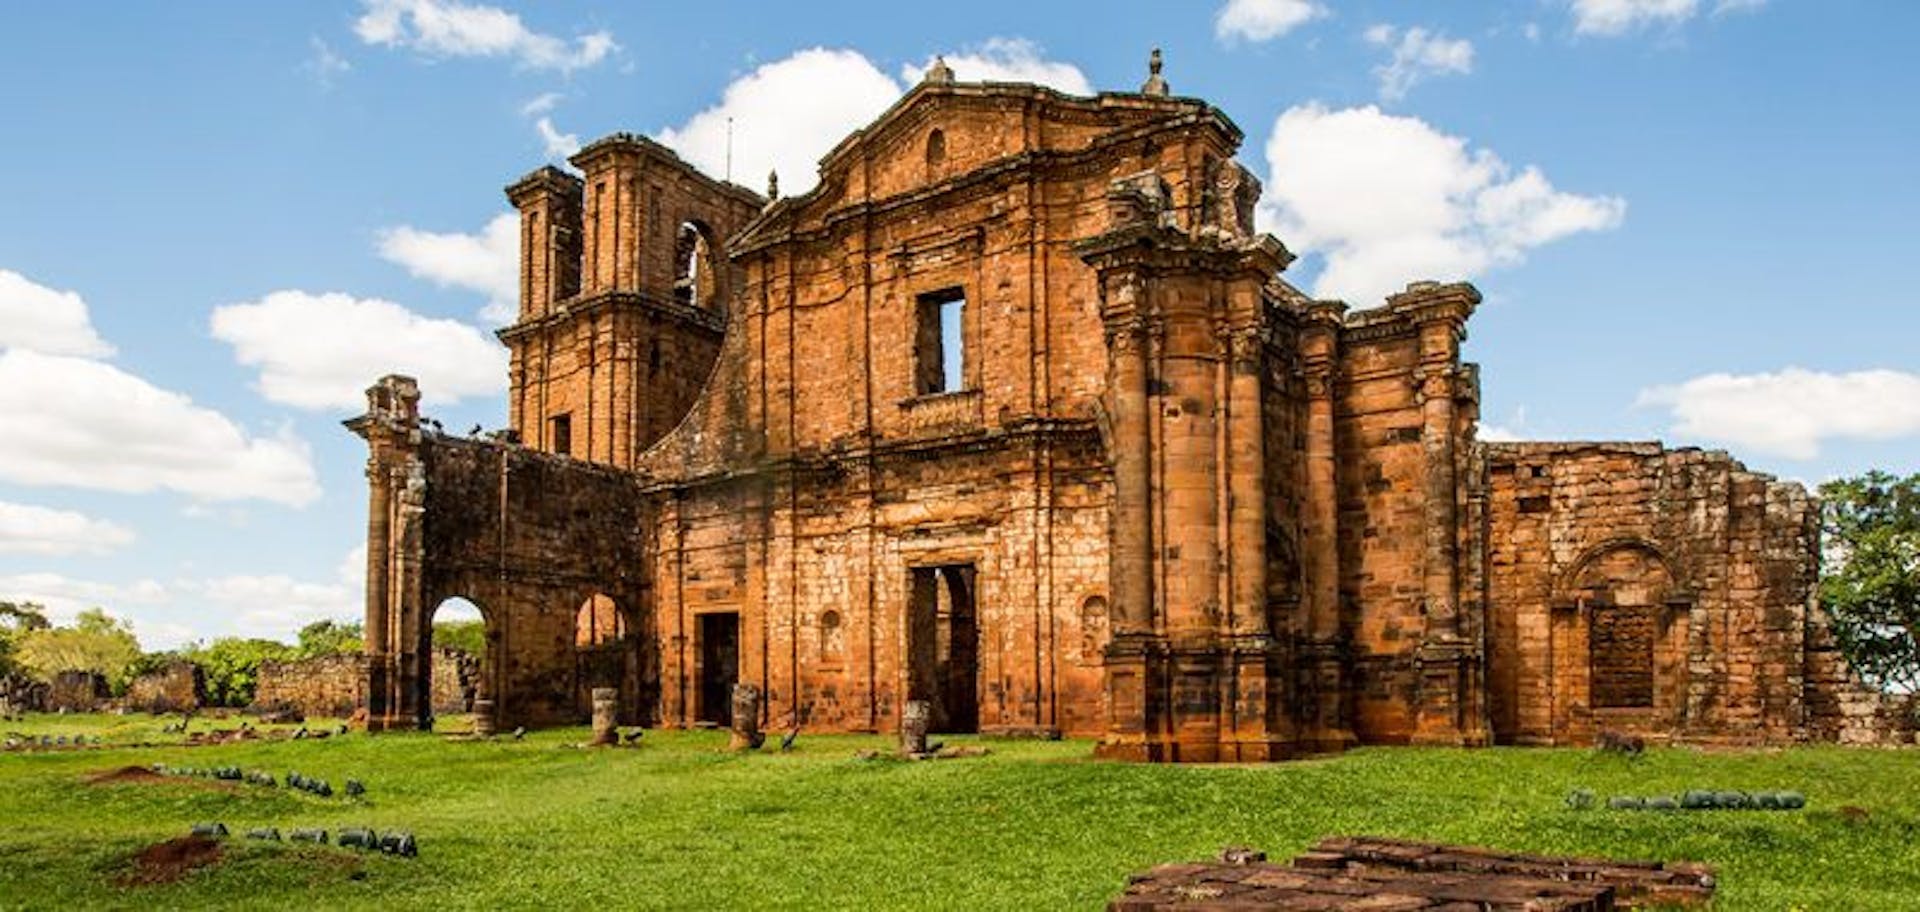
565 312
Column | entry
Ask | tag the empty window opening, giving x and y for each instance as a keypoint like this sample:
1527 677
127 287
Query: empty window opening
605 656
936 152
940 355
693 270
560 434
943 644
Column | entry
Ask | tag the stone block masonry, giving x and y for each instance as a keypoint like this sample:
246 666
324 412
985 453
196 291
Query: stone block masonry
1014 416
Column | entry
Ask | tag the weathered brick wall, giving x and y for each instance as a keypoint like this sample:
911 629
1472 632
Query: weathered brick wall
1706 569
330 685
24 694
456 681
178 686
77 691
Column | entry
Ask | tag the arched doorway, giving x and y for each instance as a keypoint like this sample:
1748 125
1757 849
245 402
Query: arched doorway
455 648
606 651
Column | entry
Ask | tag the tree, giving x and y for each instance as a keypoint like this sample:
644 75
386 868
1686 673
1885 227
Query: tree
1871 580
16 619
231 666
332 638
469 637
96 642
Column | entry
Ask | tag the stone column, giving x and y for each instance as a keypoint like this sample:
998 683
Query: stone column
745 734
1130 524
915 716
606 702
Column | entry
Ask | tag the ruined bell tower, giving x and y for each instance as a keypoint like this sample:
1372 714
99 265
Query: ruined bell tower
623 297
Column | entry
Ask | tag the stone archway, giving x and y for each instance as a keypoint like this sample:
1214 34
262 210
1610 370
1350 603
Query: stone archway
607 653
454 664
1619 644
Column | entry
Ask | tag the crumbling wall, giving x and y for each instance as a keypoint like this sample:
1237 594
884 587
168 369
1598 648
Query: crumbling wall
456 681
1723 565
329 685
22 694
178 686
78 691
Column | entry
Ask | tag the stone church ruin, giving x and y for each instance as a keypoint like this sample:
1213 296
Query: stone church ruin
1013 414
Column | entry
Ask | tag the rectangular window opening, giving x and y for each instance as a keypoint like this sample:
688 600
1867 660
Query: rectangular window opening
560 434
940 348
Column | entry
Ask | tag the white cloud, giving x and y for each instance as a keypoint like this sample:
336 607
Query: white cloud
65 596
785 115
1264 20
324 65
1007 60
487 262
541 104
87 424
1417 55
447 28
1387 199
1792 412
27 529
320 351
1729 7
559 146
1617 17
41 318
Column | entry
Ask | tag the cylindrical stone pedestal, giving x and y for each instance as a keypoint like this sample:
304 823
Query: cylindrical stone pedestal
746 718
914 718
483 718
606 702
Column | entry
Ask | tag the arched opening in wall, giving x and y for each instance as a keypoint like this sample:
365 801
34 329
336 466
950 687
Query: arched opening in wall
1093 630
1627 630
833 645
936 153
456 644
695 270
606 653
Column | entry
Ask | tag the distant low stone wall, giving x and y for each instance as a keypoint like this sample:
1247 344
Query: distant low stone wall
178 686
78 691
333 685
21 694
336 685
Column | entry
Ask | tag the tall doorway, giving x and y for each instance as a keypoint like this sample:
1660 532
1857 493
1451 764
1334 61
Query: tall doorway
943 646
719 666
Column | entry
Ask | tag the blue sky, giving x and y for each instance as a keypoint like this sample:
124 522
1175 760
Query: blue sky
218 221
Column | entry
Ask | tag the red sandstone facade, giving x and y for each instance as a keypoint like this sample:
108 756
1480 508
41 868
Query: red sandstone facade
1014 414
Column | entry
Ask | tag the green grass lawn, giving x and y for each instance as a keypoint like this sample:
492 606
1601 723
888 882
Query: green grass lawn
679 824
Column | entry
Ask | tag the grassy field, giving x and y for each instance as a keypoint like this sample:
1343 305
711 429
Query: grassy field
678 824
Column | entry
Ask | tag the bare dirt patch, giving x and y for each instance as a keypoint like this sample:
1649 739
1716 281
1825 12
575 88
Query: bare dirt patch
166 862
125 774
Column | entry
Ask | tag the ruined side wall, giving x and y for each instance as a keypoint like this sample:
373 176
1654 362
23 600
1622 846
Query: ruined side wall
529 538
179 686
332 685
1724 562
77 691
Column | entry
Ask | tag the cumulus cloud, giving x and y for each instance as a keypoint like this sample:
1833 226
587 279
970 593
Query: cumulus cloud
87 424
27 529
44 319
319 351
1007 60
1263 20
558 146
1618 17
1792 412
447 28
487 261
1416 55
65 596
783 119
1385 199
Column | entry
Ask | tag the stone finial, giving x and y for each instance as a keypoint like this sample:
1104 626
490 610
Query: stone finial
940 73
1155 85
773 185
